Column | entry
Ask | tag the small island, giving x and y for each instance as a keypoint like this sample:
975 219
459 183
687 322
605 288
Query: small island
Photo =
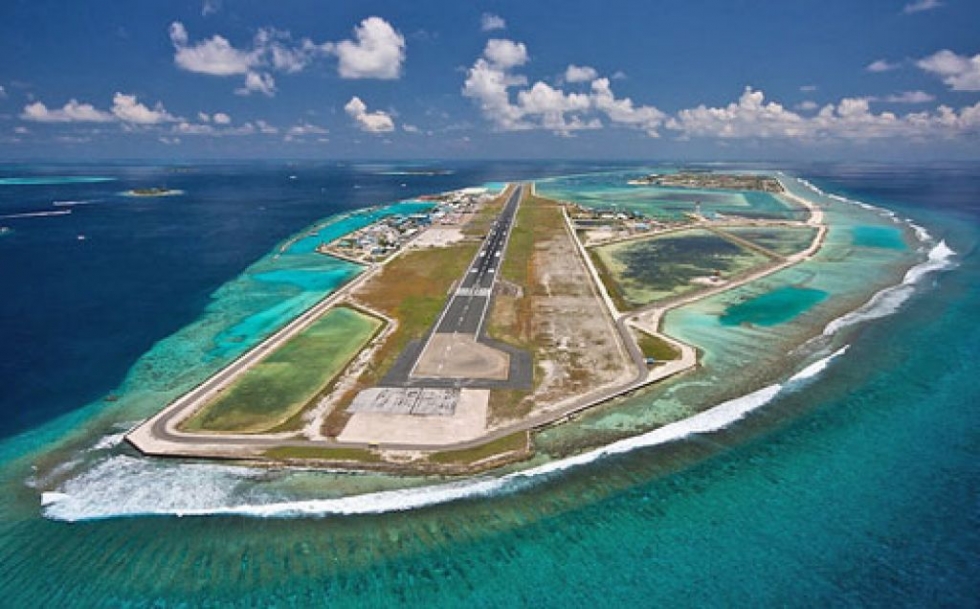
154 191
714 181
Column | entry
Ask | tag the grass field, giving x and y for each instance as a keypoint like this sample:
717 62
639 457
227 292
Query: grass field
513 443
655 347
284 383
322 453
412 289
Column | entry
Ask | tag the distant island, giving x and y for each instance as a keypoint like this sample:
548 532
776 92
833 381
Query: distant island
717 181
155 191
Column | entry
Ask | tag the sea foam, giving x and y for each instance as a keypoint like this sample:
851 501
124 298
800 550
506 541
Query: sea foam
130 486
890 299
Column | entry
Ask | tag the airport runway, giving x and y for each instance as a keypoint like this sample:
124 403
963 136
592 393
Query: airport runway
466 311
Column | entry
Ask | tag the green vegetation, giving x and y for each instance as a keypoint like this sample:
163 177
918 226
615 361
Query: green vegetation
412 289
656 347
282 385
517 442
322 453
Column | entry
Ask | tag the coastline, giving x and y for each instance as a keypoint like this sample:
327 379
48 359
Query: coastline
148 437
597 453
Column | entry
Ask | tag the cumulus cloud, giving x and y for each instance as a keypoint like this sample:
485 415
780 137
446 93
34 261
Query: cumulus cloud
807 105
214 56
125 109
881 65
378 51
574 73
921 5
71 112
490 80
372 122
305 128
129 110
958 72
505 54
851 119
220 118
490 22
258 82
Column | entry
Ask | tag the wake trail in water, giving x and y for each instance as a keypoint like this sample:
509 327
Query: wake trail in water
37 214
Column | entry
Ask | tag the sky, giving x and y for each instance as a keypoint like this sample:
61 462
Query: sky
388 79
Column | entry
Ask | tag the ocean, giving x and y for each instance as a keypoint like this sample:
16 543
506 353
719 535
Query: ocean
853 479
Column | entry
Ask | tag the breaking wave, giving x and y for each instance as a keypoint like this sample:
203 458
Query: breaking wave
814 369
889 300
122 485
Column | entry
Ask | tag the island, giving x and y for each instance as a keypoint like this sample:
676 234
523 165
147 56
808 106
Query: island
155 191
473 326
717 181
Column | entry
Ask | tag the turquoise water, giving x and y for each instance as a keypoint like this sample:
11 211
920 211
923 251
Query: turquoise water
878 236
856 485
608 190
775 307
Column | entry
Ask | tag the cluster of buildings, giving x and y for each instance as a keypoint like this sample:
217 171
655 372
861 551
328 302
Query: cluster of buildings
390 234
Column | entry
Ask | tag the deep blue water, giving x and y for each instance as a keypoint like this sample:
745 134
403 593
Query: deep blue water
861 488
77 313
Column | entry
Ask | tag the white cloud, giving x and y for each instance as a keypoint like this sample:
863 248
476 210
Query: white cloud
204 117
541 106
266 128
72 112
881 65
372 122
750 116
505 54
910 97
276 48
410 128
851 119
490 22
128 109
808 88
258 82
807 105
959 72
378 52
125 108
305 128
214 56
210 7
921 5
622 111
574 73
220 118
